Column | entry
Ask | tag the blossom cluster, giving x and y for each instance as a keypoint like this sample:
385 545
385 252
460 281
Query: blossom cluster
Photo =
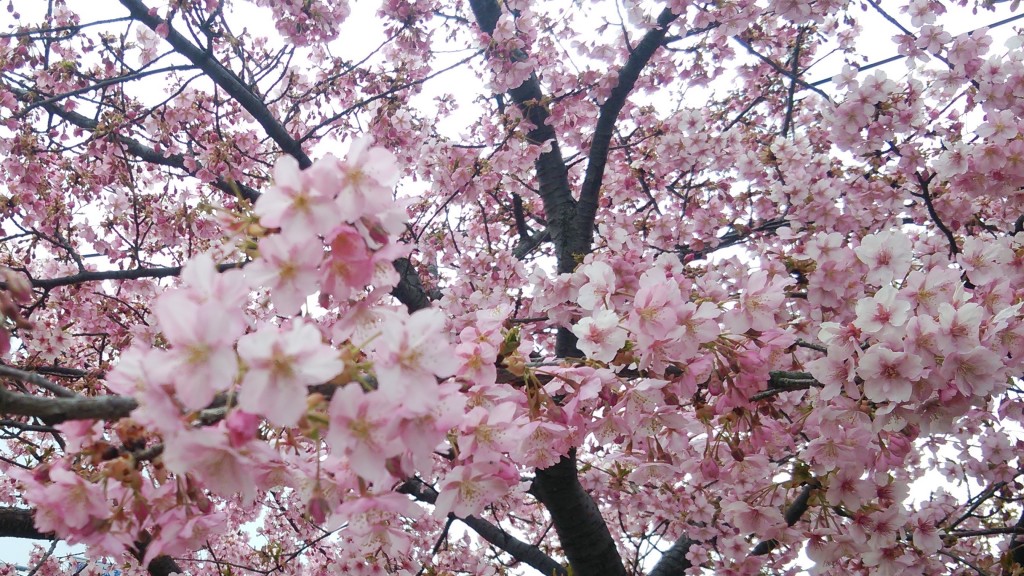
794 301
215 380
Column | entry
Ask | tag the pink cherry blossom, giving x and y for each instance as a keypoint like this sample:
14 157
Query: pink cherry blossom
293 204
545 287
375 519
981 259
765 522
279 366
959 326
599 286
928 290
600 336
487 433
654 307
476 362
926 534
362 427
975 371
760 300
203 353
883 313
410 354
288 269
835 372
207 283
466 489
349 265
210 457
366 176
888 375
886 255
68 504
846 488
179 532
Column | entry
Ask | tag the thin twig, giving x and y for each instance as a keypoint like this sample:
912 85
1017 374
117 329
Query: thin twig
53 546
37 380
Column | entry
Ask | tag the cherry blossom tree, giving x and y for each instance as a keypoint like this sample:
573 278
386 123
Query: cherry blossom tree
578 288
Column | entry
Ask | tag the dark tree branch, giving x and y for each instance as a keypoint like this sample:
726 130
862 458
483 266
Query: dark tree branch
312 132
19 523
527 246
605 129
410 290
522 551
780 381
974 503
1012 530
811 345
27 427
36 380
1017 543
732 238
418 489
57 410
224 78
926 196
786 73
71 30
518 214
136 148
907 32
585 538
133 274
795 72
552 174
64 371
42 560
793 514
124 79
581 529
673 561
743 113
163 566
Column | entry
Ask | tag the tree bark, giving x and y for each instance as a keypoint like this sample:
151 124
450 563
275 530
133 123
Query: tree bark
586 541
19 523
57 410
522 551
673 562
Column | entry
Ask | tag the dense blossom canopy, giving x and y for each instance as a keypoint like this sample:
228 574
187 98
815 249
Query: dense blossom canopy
438 287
